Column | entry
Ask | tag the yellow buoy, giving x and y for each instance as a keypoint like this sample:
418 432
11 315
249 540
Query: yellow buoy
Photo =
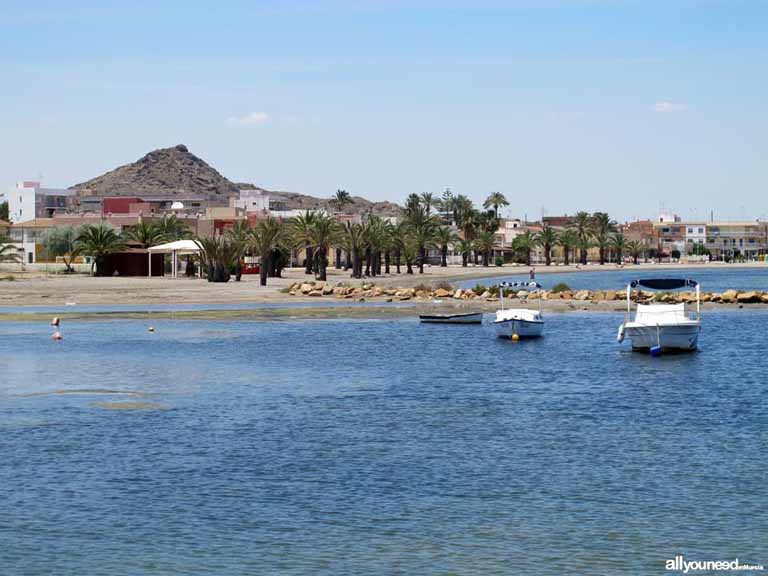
515 337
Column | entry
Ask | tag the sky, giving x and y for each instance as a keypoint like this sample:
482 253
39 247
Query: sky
628 107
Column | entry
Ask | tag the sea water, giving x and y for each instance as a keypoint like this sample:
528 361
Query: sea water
378 447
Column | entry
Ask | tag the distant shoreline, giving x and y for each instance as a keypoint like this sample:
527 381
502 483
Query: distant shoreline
69 291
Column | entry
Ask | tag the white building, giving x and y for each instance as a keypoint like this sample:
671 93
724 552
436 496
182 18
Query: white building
253 201
695 234
28 200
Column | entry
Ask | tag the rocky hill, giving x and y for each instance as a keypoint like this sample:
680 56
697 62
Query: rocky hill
174 171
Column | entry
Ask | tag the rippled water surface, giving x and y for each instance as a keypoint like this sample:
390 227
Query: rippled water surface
711 279
378 447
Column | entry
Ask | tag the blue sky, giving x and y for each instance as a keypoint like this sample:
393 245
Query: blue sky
561 105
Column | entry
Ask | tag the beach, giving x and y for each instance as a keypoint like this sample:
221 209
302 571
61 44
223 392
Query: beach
38 289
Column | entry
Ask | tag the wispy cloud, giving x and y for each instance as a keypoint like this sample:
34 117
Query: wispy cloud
249 119
666 106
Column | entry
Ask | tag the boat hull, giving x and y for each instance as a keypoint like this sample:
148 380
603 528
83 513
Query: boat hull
471 318
677 337
523 328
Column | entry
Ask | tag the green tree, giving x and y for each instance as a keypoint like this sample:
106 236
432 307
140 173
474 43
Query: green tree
465 249
524 244
239 235
484 244
428 201
547 239
569 241
495 200
602 229
443 237
324 233
353 239
635 248
145 233
582 226
266 238
98 241
4 215
422 228
618 243
61 242
301 233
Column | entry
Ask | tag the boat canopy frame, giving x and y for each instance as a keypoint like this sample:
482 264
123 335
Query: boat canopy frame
664 284
521 286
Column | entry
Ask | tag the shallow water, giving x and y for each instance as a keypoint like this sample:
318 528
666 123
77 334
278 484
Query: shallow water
378 447
711 279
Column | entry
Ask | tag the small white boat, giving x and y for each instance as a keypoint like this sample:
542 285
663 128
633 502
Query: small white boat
465 318
662 327
517 323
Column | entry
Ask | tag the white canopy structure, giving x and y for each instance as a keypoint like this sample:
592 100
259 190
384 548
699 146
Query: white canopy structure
173 248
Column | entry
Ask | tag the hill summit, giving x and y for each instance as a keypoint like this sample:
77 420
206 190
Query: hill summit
174 171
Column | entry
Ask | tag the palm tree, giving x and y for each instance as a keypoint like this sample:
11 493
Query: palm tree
8 252
98 241
443 237
265 239
484 244
422 228
341 199
172 229
413 202
301 232
218 255
495 200
428 201
582 226
398 234
619 244
376 239
411 251
145 233
635 248
353 240
324 233
465 249
524 243
602 227
239 235
547 239
569 241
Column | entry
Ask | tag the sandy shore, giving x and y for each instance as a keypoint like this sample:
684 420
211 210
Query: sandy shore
28 289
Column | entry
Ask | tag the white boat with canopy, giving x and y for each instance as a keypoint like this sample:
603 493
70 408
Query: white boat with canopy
662 327
517 323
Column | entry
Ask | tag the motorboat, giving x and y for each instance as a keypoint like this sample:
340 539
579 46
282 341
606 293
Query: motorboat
662 327
463 318
515 323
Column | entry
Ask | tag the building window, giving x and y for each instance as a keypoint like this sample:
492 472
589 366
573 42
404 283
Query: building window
701 230
690 230
30 257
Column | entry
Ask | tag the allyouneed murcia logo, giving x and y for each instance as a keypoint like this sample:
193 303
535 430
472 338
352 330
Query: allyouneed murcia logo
680 564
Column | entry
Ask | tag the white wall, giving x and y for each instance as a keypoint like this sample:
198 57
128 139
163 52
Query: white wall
21 203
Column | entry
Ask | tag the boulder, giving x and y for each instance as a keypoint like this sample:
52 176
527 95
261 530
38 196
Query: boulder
457 295
328 289
403 297
748 297
320 284
522 294
582 295
764 297
377 291
340 290
307 288
443 293
316 293
729 296
485 294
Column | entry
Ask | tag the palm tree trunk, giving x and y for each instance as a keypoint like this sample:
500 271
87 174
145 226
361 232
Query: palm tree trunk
308 252
397 260
264 269
422 257
444 257
338 258
565 255
464 259
386 262
321 263
548 255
